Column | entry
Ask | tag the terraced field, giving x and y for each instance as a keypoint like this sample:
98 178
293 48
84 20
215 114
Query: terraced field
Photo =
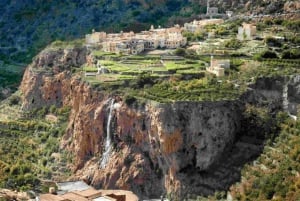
130 67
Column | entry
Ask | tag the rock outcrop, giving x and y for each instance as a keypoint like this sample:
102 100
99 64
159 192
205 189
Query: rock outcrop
269 92
154 144
179 148
291 6
47 81
6 194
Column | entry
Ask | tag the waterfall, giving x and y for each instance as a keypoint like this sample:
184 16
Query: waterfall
285 102
108 145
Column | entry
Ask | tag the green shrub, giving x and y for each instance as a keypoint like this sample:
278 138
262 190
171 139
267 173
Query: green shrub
291 54
233 43
129 100
144 79
180 52
293 25
193 36
270 41
14 100
44 162
52 109
266 55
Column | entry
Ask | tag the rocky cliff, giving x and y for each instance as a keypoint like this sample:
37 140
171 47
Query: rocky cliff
47 80
179 148
276 93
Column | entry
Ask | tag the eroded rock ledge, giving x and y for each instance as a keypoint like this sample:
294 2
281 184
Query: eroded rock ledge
183 147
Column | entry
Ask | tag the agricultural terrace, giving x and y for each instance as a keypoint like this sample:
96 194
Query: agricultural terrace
179 75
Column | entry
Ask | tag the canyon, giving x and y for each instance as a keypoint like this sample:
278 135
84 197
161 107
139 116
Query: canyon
176 148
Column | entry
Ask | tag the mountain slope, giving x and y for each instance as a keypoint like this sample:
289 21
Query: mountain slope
30 25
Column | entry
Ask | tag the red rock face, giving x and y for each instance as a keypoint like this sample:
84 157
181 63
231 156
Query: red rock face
291 6
153 144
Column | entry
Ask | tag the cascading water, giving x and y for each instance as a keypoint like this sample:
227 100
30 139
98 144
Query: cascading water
285 101
108 144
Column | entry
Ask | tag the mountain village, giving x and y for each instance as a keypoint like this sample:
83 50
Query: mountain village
130 43
199 66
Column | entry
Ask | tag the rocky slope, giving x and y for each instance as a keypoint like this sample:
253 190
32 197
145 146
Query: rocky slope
180 148
153 142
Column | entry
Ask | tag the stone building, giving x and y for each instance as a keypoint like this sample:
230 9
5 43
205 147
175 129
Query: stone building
95 37
229 13
198 25
246 32
135 43
218 66
79 191
212 11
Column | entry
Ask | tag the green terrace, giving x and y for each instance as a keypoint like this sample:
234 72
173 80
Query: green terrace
282 62
204 89
151 76
132 66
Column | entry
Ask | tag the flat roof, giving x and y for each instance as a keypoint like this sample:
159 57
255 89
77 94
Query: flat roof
74 197
88 193
104 198
72 186
50 197
130 196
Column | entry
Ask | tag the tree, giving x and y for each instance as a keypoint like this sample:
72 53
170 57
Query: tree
266 55
233 43
143 79
180 52
291 54
14 100
270 41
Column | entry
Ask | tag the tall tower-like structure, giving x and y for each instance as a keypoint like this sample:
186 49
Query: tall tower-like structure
207 8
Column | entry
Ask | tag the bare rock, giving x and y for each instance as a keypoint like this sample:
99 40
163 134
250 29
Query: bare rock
291 6
13 195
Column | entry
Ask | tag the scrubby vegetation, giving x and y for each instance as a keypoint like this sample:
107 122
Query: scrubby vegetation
233 43
266 55
29 149
67 44
9 79
274 173
205 89
194 36
291 54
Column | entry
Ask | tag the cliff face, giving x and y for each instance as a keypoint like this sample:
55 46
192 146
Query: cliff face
275 93
154 145
47 81
293 95
183 147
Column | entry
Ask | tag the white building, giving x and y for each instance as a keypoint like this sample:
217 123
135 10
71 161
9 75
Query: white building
246 32
198 25
218 66
95 37
229 13
131 43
